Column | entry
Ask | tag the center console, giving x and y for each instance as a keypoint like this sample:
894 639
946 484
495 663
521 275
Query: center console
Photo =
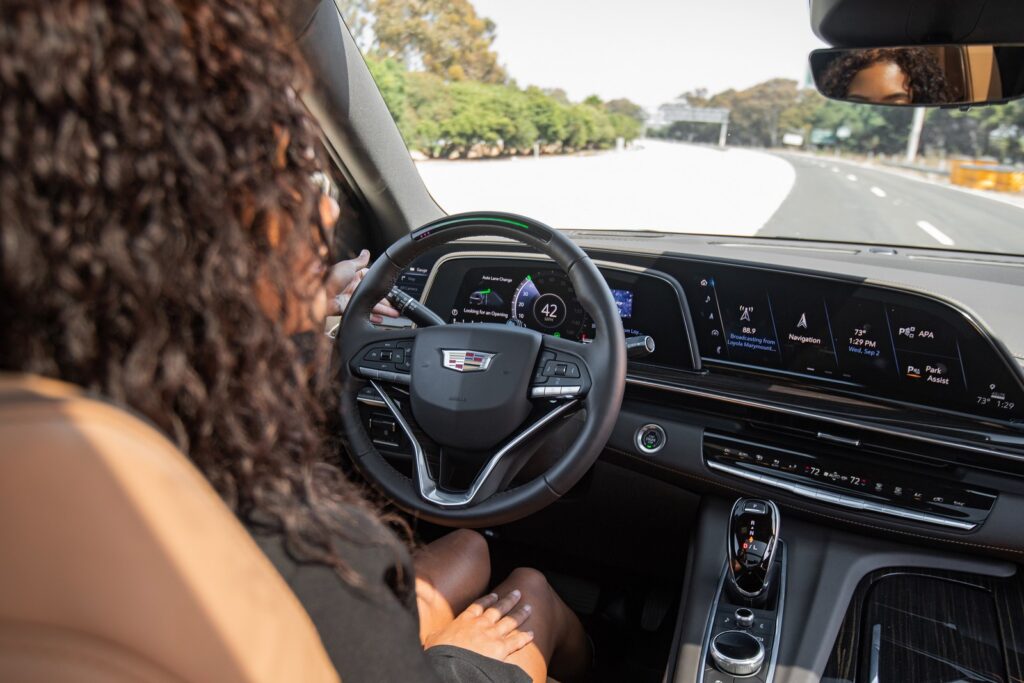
823 597
746 616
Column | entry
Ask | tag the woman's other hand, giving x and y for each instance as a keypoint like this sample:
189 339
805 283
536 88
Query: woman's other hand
344 277
489 627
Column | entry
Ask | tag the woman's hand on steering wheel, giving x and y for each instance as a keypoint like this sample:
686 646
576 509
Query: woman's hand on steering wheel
489 627
344 277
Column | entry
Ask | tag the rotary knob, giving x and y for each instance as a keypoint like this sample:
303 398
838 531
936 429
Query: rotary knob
744 617
737 653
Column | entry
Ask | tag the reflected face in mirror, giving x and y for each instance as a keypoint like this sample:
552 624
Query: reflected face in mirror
921 75
894 76
880 83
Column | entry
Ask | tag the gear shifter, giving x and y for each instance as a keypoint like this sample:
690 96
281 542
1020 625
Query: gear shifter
753 532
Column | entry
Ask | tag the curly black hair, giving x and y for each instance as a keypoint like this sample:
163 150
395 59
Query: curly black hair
156 191
927 82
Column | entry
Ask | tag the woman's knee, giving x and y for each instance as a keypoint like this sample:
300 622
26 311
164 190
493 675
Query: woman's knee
473 547
528 579
457 557
535 589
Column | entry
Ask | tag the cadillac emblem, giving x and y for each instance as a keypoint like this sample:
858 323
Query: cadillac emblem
467 361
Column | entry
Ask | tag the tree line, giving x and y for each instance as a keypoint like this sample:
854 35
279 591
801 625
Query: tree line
451 98
456 118
762 114
441 79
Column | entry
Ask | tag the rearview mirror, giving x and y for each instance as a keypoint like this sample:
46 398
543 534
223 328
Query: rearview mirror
922 75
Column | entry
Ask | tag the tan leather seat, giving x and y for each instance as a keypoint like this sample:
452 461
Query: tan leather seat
118 562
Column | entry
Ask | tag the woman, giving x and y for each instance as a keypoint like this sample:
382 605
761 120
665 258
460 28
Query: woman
897 76
162 243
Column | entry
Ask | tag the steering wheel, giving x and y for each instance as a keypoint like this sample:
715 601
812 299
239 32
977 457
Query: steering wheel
480 396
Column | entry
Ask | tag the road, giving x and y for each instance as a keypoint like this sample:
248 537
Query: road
696 189
653 186
835 200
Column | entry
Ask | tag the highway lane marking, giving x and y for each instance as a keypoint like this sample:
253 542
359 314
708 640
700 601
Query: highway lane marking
935 233
983 194
852 177
877 191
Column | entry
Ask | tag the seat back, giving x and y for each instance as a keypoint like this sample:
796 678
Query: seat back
119 562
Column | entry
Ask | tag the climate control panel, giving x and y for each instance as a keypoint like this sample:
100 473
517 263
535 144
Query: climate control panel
850 483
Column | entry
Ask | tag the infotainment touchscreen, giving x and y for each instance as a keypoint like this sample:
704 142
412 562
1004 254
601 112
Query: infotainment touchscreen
895 343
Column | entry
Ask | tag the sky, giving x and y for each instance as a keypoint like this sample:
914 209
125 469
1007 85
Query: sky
650 50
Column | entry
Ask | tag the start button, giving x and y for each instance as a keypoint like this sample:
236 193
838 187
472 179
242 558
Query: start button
650 438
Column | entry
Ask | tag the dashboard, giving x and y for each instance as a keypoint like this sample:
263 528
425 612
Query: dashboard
842 383
878 343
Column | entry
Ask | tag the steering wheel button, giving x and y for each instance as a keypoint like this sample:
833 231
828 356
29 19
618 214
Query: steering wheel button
372 354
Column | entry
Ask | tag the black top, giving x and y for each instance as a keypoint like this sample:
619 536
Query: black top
371 633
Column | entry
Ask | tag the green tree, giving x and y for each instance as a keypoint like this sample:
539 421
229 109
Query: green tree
755 113
444 37
549 114
557 94
626 107
981 131
624 126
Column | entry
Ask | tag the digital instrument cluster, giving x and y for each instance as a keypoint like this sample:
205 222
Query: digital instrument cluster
541 300
880 341
539 296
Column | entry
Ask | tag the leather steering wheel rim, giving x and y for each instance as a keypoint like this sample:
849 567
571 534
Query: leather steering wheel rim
605 356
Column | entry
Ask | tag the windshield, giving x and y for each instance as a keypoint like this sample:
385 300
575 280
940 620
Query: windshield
679 117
